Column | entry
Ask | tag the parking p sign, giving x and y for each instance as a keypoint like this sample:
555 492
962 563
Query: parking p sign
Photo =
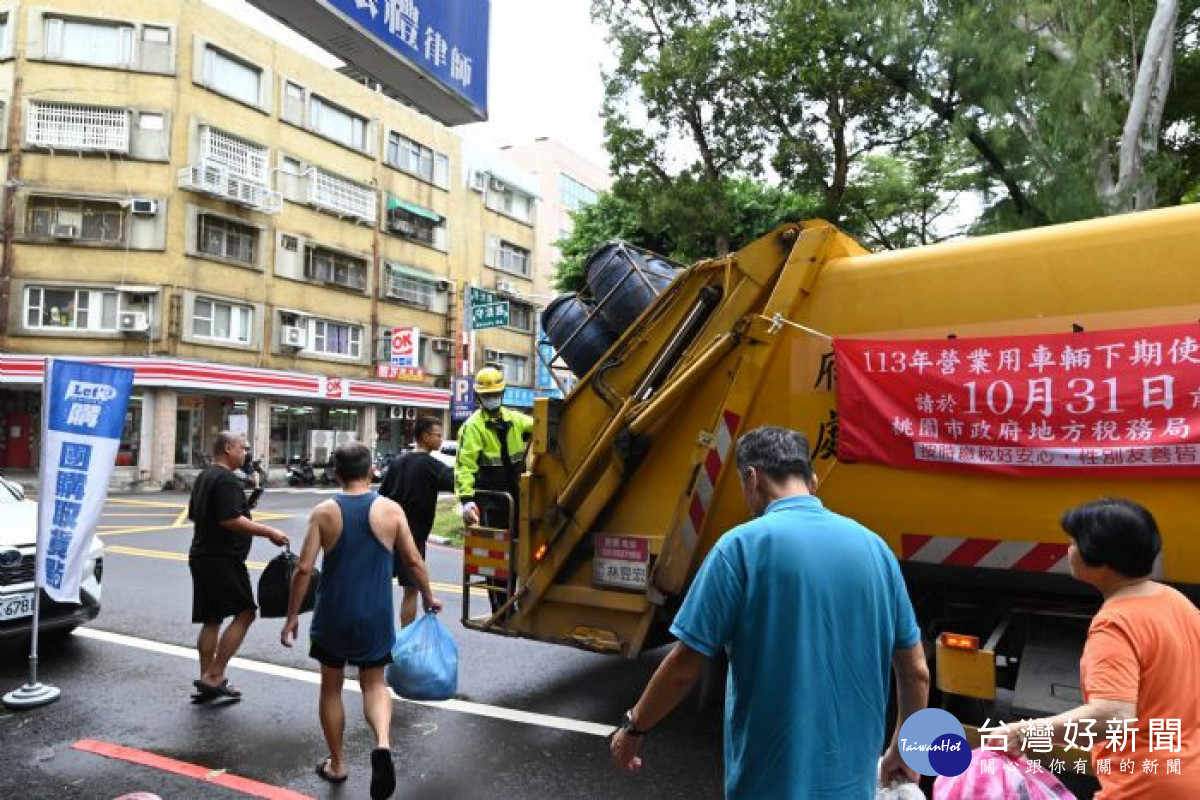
462 400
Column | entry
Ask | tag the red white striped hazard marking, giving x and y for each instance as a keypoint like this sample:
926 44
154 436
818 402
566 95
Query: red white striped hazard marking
482 560
984 553
710 470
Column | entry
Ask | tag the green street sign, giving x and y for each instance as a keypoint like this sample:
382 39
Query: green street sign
489 315
480 297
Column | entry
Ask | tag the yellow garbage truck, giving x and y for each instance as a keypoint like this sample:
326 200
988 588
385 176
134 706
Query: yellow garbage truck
631 477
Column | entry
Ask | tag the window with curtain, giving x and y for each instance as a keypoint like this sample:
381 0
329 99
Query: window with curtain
93 42
227 322
336 338
48 307
338 124
230 76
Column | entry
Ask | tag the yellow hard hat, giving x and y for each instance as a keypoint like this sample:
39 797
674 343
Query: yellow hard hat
489 380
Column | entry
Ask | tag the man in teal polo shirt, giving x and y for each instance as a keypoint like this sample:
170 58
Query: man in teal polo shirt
812 611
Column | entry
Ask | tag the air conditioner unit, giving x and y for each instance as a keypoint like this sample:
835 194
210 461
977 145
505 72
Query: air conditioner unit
479 181
293 336
410 413
506 286
442 346
143 205
497 185
133 322
65 232
395 412
443 286
491 355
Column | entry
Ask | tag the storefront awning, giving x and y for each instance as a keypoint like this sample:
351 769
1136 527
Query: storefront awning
395 202
414 272
229 379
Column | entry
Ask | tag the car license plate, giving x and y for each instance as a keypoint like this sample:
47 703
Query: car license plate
15 606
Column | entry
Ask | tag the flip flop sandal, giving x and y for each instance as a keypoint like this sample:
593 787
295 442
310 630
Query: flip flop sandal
383 774
223 689
324 774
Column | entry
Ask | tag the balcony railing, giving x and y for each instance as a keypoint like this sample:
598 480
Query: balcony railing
215 180
64 126
341 197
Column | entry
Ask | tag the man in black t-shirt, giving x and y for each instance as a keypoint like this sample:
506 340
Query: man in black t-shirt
217 560
413 480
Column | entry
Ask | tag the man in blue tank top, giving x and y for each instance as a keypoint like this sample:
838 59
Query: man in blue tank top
357 532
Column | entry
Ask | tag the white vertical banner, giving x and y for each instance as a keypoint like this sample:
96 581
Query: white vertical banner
83 412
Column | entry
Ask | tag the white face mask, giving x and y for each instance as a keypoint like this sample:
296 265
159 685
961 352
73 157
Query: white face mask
490 402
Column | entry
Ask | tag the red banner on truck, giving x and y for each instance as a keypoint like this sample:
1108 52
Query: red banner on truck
1123 402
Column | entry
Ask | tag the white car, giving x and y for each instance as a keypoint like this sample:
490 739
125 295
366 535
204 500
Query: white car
18 547
448 453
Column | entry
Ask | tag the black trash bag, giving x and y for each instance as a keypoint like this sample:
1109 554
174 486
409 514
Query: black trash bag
275 584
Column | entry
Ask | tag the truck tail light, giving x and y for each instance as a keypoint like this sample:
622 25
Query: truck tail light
960 641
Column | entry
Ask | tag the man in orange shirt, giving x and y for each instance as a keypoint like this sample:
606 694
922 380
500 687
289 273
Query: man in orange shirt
1141 665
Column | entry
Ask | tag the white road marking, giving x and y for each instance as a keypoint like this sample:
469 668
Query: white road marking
305 676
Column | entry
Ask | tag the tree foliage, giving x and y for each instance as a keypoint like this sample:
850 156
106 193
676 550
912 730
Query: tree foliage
885 117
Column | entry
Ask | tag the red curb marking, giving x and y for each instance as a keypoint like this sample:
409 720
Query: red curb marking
218 778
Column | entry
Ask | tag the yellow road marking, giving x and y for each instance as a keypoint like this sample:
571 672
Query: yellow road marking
167 555
181 517
121 530
150 514
125 501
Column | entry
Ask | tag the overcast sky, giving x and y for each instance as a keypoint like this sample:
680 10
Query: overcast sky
544 71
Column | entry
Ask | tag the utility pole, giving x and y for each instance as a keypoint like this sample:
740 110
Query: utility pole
11 183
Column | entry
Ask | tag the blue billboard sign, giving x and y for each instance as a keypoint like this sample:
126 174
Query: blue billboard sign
518 397
446 40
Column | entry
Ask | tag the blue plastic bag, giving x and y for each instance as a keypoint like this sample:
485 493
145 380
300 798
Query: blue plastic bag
424 661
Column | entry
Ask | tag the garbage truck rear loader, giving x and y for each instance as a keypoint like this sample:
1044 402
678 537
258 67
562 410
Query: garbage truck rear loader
632 476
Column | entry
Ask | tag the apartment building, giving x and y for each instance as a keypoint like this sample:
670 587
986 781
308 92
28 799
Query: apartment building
566 182
244 227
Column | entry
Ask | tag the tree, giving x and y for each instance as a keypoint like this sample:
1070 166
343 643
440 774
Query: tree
1061 101
708 92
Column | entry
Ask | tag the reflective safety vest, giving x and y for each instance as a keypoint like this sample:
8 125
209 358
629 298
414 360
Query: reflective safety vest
480 462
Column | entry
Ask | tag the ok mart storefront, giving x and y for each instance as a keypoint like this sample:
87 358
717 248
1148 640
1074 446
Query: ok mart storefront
179 406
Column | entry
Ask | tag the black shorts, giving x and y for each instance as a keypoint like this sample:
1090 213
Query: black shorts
328 659
401 571
220 588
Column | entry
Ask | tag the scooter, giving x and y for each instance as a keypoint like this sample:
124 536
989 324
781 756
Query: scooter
301 474
327 475
251 474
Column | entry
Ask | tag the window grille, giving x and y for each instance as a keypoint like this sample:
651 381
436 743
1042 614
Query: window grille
68 126
410 289
342 196
339 269
243 159
220 237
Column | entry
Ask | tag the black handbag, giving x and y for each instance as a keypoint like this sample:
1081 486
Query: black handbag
275 584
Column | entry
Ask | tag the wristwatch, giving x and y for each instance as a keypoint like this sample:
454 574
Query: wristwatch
628 727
